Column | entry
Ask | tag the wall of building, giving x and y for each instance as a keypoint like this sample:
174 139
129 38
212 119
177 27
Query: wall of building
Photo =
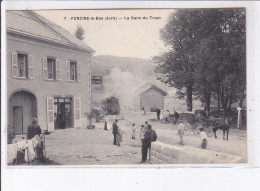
152 99
42 88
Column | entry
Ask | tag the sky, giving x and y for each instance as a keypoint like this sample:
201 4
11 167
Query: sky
125 37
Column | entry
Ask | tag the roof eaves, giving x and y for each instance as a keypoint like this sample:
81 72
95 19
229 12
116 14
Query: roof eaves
39 37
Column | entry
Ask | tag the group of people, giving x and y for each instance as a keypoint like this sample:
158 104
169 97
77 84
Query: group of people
25 150
147 136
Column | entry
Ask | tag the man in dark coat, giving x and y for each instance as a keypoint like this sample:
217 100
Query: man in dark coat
158 112
115 130
149 137
33 129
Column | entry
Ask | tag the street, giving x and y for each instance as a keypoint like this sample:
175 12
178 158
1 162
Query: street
95 146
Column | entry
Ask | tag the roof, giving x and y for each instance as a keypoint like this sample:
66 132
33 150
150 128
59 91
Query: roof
148 86
31 24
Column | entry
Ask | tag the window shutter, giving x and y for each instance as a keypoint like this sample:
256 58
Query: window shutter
44 68
79 75
58 69
50 114
68 70
14 65
31 67
77 112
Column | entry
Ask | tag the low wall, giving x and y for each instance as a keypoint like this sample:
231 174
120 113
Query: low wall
162 153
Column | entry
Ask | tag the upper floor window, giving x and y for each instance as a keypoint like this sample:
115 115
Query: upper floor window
51 67
73 71
22 65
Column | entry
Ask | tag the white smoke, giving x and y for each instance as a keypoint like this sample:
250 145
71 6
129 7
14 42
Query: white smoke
122 85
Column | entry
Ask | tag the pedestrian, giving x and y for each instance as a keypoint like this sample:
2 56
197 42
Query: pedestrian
119 136
33 129
181 128
115 130
203 138
133 130
149 136
176 116
153 138
34 132
105 127
158 112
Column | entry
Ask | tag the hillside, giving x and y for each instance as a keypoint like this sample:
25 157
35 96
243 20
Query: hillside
140 68
123 75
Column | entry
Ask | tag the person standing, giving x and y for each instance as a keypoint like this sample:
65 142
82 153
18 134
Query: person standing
149 136
119 136
105 127
158 112
115 130
133 130
33 129
203 138
181 128
153 138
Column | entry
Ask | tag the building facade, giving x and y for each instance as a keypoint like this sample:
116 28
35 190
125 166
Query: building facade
48 74
150 97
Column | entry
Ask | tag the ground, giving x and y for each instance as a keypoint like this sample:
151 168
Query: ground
95 146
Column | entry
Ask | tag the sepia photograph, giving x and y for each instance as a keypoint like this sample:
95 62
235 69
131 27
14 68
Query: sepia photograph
137 87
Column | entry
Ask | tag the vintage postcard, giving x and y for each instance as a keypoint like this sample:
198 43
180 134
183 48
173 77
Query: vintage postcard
126 87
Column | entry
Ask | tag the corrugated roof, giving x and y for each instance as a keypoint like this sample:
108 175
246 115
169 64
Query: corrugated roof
148 86
32 24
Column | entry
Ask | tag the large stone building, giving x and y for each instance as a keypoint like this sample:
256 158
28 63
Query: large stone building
48 74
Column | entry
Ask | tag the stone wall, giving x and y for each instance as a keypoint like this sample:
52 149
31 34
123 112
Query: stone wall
162 153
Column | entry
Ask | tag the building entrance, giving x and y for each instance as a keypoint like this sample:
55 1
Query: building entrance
63 113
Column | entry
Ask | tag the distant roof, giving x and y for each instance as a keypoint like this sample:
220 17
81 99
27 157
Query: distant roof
148 86
31 24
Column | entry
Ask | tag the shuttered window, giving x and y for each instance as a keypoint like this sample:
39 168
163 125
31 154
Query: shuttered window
31 67
74 71
22 66
58 70
77 112
44 68
14 65
50 113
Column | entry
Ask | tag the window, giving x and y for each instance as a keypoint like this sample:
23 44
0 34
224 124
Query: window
22 65
73 71
96 79
51 67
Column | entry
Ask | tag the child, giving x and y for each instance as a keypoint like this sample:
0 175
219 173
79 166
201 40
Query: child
204 138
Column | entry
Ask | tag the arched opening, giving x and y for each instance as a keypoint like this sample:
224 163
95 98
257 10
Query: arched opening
22 108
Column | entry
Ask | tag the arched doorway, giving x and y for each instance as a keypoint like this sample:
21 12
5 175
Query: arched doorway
22 108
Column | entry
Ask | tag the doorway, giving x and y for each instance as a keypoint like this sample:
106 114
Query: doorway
22 109
18 119
63 113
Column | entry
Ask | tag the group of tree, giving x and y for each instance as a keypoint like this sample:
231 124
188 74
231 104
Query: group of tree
206 57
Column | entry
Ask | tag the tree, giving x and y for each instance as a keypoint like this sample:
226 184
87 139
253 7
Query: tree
177 65
206 55
80 32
